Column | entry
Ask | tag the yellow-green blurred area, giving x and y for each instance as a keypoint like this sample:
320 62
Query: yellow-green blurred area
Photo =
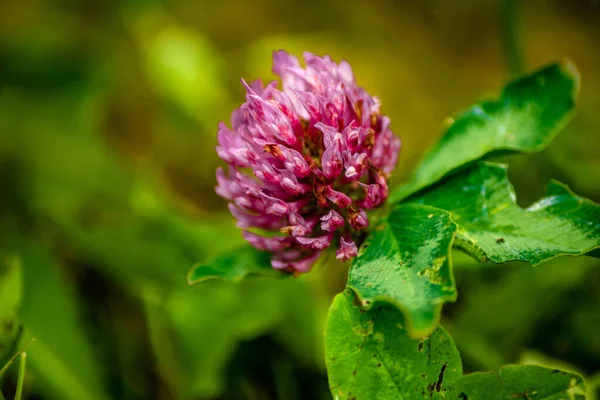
108 116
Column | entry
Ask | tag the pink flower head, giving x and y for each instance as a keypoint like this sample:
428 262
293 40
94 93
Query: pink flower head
305 162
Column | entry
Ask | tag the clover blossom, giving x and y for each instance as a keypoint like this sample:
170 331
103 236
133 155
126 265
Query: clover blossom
306 162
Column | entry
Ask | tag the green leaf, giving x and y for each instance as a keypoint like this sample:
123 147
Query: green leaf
522 382
406 262
525 118
62 357
370 356
492 226
234 266
10 299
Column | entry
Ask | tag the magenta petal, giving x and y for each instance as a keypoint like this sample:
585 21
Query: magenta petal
317 243
331 136
359 220
298 227
282 60
372 198
232 148
275 243
294 162
300 265
338 198
225 187
331 163
332 221
347 249
274 206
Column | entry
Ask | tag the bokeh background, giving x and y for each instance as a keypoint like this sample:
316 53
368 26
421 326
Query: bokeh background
108 115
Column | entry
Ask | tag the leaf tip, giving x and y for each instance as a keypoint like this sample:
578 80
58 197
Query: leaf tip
568 66
569 69
192 279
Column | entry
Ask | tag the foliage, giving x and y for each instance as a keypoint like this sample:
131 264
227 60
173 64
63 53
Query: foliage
525 118
107 131
377 359
492 226
406 262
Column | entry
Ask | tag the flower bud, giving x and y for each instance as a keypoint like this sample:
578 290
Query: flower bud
306 162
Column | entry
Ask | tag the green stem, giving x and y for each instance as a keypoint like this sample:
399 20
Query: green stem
8 364
21 378
13 358
510 36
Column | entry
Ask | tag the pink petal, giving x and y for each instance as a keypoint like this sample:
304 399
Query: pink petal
347 249
332 221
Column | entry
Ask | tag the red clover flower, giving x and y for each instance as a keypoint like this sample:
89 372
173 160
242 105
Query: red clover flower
306 162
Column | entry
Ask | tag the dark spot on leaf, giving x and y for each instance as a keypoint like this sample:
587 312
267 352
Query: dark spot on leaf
430 388
356 301
8 326
420 347
374 355
500 240
463 396
438 385
378 365
424 376
354 373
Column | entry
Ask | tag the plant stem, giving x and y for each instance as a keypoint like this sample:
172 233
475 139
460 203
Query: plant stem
8 364
13 358
510 36
21 377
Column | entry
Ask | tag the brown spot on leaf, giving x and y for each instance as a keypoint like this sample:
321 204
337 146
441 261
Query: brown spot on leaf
438 385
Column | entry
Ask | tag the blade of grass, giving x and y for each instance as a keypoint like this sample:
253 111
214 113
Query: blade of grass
21 377
13 358
510 36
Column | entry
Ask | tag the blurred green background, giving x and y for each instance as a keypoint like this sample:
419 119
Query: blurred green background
108 115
